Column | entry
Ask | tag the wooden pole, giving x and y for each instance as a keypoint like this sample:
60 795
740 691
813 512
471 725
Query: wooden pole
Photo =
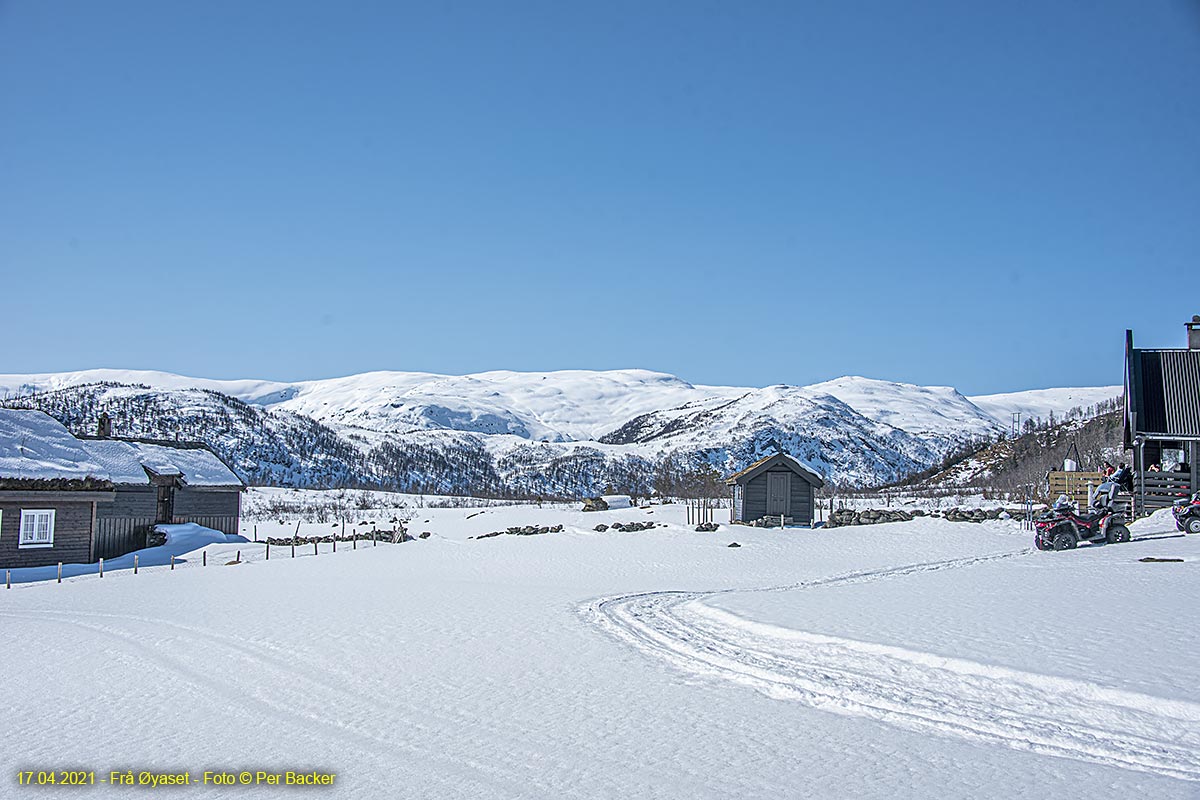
268 558
375 537
256 533
355 547
102 568
60 572
315 547
204 557
135 565
293 547
335 538
172 562
8 579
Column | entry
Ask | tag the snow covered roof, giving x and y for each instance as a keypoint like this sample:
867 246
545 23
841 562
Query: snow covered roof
795 464
34 445
128 461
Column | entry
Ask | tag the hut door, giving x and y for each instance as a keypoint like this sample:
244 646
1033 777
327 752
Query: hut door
166 504
779 485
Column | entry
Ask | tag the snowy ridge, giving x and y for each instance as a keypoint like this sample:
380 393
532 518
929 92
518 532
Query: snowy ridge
559 433
1040 404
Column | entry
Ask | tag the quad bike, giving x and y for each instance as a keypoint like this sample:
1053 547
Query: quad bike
1062 527
1187 514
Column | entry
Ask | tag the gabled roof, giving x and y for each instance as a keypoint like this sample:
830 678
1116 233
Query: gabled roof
36 447
797 466
38 452
135 462
1162 392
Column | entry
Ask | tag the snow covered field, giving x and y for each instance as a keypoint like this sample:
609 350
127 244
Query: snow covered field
918 659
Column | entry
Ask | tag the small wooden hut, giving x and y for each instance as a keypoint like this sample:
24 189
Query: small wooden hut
777 486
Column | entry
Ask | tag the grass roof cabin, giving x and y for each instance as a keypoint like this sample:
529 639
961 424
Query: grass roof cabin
50 489
157 482
775 486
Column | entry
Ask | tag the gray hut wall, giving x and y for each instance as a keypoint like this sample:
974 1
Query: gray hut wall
218 509
801 500
72 535
121 526
755 498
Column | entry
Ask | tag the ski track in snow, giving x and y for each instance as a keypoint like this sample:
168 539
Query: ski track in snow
924 692
321 698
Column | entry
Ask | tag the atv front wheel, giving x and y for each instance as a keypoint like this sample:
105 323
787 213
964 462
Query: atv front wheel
1040 543
1117 533
1192 525
1063 540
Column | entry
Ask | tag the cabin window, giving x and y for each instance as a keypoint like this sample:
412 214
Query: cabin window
37 528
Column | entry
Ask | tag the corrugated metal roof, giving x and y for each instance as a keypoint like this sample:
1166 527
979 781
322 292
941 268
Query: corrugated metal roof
1166 385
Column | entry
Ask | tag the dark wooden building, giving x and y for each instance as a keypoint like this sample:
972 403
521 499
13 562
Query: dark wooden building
161 482
1162 419
76 500
50 493
775 486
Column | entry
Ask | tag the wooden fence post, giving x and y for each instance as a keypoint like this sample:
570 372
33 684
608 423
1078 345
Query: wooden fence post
8 579
375 538
60 572
204 558
268 558
102 568
315 553
355 547
335 542
256 532
135 565
293 547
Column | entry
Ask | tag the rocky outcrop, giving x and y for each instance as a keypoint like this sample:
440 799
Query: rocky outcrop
595 504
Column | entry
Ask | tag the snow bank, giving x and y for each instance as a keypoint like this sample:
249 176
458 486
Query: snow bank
617 500
181 540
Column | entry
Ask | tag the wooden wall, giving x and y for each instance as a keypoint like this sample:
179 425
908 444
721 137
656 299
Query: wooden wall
800 503
72 534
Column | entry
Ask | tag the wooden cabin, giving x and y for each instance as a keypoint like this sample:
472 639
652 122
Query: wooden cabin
776 486
50 493
77 499
1162 419
161 482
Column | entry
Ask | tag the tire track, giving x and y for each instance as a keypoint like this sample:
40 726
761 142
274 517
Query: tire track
918 691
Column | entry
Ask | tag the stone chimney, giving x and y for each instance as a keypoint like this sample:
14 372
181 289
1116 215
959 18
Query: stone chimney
104 426
1193 329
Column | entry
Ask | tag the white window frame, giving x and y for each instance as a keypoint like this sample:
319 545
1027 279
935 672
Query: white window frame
25 542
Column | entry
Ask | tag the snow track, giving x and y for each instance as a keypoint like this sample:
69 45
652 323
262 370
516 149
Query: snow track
919 691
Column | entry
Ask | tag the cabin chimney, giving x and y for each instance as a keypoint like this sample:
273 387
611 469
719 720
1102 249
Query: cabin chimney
1193 329
104 426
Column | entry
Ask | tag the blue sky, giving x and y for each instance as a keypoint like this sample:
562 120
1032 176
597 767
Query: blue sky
977 194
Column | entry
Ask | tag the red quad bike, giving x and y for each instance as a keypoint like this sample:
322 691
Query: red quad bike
1062 527
1187 514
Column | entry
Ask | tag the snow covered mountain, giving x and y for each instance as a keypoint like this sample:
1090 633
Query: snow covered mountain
555 433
